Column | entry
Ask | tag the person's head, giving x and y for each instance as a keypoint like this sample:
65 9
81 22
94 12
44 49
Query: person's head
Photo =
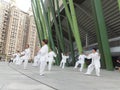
81 52
18 51
27 46
65 53
44 41
51 49
94 50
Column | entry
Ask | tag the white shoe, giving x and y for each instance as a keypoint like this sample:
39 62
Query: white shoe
41 74
25 68
87 73
80 70
98 75
34 65
74 68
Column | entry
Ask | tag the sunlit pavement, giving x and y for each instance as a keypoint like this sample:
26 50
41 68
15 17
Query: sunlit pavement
13 80
14 77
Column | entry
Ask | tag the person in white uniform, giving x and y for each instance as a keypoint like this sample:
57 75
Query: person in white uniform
17 58
14 58
95 64
63 61
11 59
51 56
43 56
37 59
26 56
81 61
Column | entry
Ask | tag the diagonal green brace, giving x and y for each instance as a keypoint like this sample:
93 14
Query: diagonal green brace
119 4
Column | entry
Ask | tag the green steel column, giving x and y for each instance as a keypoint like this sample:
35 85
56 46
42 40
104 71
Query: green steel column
103 65
60 24
56 26
36 21
49 29
102 34
51 38
119 4
71 15
71 46
75 25
41 18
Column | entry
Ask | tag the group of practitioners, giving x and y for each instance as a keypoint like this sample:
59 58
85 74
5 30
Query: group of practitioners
95 63
45 55
21 57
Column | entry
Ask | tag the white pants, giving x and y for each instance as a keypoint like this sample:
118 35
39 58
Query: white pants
43 64
21 60
50 65
14 60
18 62
36 61
81 67
25 63
62 64
91 68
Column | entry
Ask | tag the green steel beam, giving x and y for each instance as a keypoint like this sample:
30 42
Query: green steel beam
101 32
49 29
60 24
75 25
69 31
103 65
71 15
51 39
41 18
36 21
71 45
56 26
119 4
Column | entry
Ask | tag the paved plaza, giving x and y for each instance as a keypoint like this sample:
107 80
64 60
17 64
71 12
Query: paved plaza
14 77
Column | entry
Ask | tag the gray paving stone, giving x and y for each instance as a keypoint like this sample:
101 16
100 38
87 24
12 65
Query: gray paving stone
67 79
13 80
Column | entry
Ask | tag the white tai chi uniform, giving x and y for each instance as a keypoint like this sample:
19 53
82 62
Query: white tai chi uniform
81 61
14 57
43 58
26 57
36 59
94 64
17 58
63 61
51 56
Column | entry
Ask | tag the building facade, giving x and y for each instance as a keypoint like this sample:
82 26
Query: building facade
16 30
4 14
21 31
32 36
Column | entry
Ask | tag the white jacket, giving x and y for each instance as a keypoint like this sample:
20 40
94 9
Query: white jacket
26 53
64 58
81 58
51 56
95 59
43 53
